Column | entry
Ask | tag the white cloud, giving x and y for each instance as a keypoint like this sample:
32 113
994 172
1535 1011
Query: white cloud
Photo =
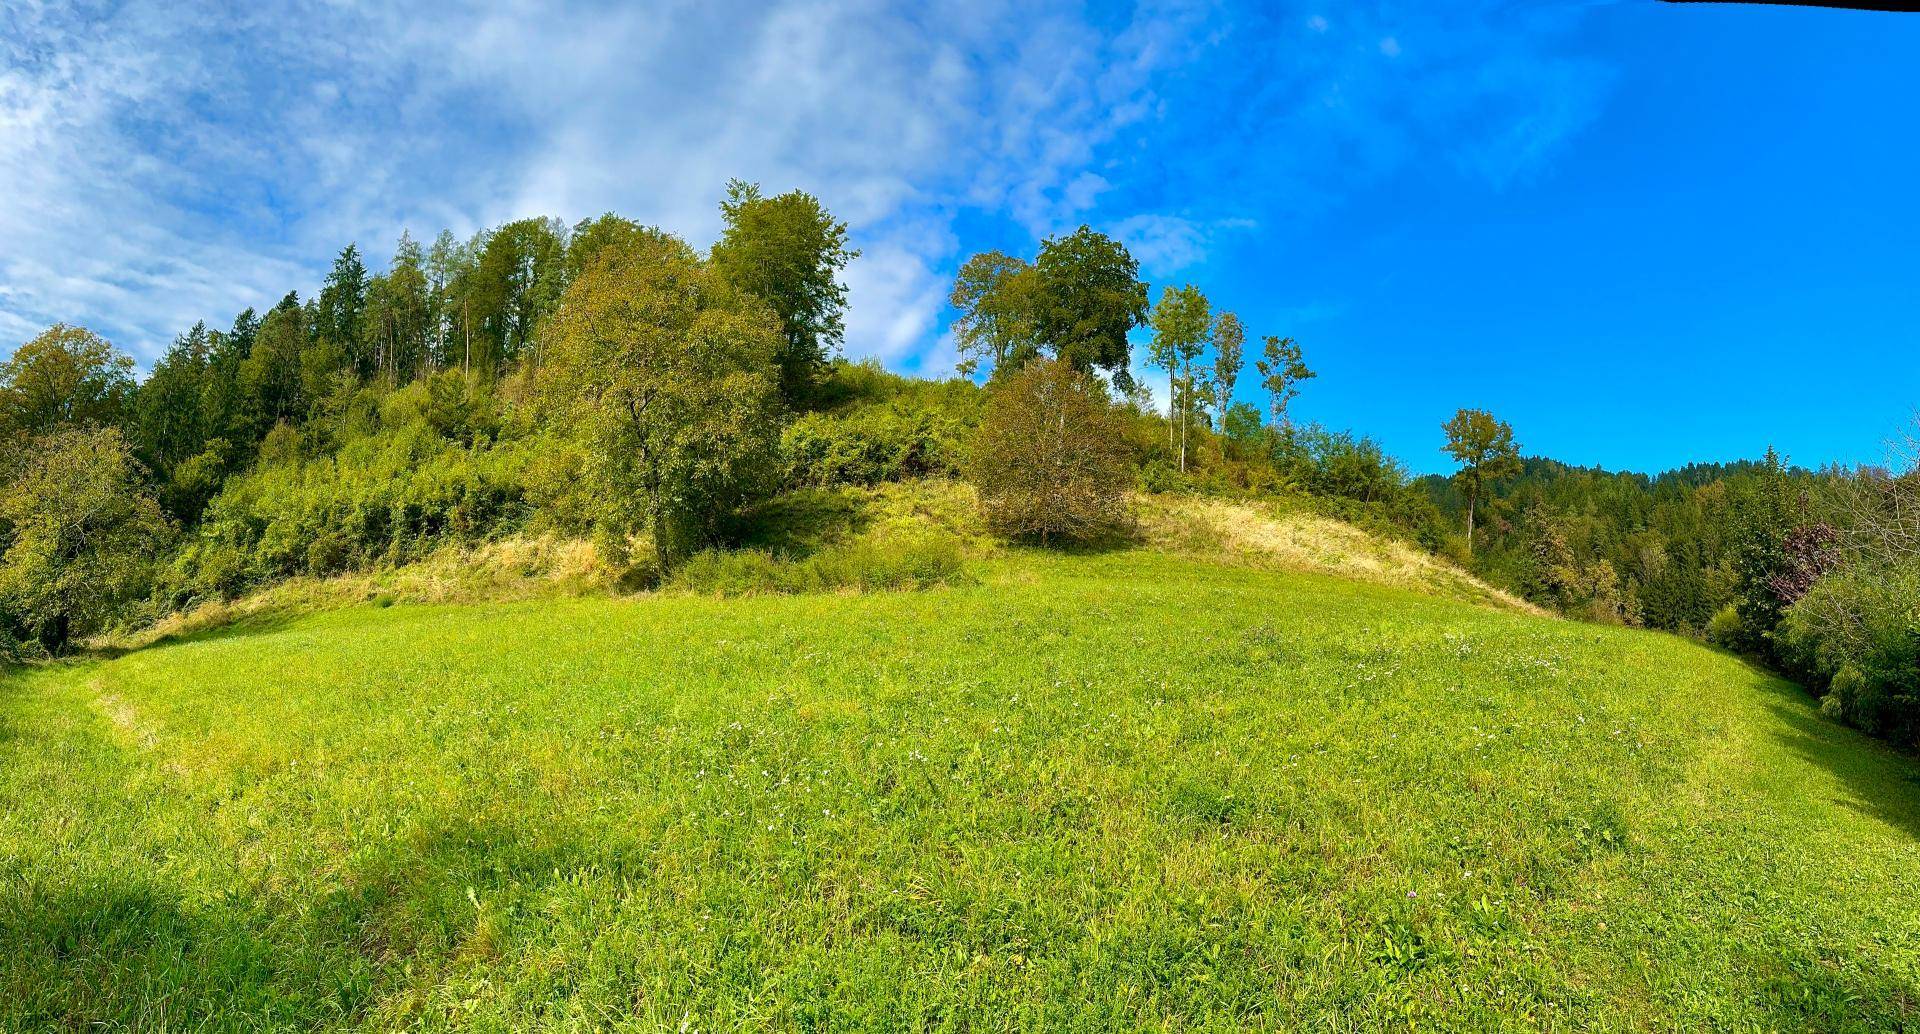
894 300
1170 244
165 162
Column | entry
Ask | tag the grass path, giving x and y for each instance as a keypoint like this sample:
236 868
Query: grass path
1103 792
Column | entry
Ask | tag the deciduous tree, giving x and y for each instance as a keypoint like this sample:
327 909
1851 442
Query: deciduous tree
1181 327
999 299
78 534
788 251
1281 368
1485 450
1092 298
669 376
1229 355
65 376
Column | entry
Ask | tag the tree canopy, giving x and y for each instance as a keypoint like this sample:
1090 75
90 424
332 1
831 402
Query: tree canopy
788 251
1076 302
669 376
78 532
64 375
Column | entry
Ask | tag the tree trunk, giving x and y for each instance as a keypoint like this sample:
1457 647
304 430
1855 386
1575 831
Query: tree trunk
1185 405
1470 501
1173 402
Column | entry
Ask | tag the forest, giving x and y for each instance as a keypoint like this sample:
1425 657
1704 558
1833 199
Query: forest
606 380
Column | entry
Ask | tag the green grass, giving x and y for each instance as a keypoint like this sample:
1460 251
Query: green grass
1096 792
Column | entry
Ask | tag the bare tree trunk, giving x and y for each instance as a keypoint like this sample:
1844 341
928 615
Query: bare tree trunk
1187 392
1173 402
1470 502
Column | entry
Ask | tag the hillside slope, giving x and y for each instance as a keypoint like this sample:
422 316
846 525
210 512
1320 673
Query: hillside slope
1092 792
1271 535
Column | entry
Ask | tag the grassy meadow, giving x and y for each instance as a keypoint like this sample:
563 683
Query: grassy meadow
1109 791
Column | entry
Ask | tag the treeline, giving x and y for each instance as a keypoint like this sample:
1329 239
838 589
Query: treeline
387 415
1816 573
1613 547
605 379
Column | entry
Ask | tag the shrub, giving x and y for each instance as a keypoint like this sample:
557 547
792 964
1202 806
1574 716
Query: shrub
386 499
12 650
1725 628
1051 460
1856 634
869 446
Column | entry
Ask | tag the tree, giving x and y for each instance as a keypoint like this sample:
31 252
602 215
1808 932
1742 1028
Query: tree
1091 299
66 376
1484 448
223 396
788 251
1779 550
670 378
80 535
516 285
449 271
592 236
342 306
998 296
1181 326
1241 427
396 328
1076 302
170 422
270 377
1050 458
1229 355
1281 369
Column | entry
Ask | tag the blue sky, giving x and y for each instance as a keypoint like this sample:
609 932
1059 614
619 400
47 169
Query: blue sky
1644 233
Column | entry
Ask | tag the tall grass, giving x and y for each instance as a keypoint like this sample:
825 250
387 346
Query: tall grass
911 561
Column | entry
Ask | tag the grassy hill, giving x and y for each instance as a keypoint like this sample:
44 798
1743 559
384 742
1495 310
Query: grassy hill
1134 789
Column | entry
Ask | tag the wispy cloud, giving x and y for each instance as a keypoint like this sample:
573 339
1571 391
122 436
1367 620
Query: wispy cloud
167 162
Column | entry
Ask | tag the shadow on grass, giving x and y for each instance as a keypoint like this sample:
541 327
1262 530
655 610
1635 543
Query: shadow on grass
1884 783
129 957
260 622
799 524
1804 991
120 950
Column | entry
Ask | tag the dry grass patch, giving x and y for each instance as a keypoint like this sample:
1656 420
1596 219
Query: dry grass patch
1269 536
516 568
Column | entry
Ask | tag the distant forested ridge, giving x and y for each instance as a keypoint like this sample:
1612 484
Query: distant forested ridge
1614 546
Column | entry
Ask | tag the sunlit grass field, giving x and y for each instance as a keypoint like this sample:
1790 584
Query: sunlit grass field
1104 792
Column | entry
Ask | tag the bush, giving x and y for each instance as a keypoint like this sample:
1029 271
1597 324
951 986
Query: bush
869 446
1725 629
386 499
1051 459
864 565
12 650
1856 635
